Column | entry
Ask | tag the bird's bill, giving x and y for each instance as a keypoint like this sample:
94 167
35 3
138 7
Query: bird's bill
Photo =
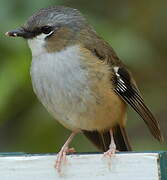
18 33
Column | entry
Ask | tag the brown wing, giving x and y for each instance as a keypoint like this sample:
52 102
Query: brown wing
126 88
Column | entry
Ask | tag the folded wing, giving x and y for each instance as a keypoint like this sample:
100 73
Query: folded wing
126 88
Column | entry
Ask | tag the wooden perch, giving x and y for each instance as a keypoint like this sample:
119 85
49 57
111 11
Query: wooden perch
124 166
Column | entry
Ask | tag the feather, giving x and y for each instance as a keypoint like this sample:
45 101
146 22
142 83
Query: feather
102 140
126 88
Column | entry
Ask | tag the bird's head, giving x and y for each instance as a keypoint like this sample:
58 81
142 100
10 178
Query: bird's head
52 29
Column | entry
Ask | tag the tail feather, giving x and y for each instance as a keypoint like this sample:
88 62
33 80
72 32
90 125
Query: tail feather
121 139
102 139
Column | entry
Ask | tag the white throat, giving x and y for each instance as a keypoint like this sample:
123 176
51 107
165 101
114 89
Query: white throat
37 45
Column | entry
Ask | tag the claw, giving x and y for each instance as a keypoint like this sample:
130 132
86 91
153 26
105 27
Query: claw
111 152
61 157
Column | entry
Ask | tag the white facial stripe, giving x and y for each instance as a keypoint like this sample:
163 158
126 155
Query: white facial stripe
49 33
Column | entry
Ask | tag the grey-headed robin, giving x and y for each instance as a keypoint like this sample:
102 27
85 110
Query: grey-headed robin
81 81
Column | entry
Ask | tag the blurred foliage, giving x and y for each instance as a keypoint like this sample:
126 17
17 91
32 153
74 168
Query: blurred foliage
135 29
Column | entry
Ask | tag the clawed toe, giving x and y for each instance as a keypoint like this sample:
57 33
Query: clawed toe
110 153
61 158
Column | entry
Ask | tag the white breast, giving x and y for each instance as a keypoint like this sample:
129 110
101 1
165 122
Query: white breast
60 82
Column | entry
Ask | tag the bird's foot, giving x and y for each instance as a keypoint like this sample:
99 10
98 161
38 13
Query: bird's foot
111 152
112 148
61 157
108 155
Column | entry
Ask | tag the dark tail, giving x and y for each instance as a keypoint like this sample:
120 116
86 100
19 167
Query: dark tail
102 139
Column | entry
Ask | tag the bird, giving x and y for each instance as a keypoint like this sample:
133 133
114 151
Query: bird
81 81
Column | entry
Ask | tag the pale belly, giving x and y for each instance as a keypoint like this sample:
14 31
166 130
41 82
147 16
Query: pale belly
66 88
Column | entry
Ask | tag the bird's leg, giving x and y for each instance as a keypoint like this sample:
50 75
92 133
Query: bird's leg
112 148
61 157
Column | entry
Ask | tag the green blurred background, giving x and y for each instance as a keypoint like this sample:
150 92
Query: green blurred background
135 29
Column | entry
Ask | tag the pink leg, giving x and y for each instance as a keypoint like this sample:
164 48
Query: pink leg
61 157
112 147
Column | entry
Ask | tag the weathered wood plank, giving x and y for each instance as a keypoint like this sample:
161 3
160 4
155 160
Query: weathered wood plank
124 166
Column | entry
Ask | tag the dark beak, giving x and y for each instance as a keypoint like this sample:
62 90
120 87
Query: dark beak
19 33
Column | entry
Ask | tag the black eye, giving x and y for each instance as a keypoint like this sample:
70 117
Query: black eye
46 29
